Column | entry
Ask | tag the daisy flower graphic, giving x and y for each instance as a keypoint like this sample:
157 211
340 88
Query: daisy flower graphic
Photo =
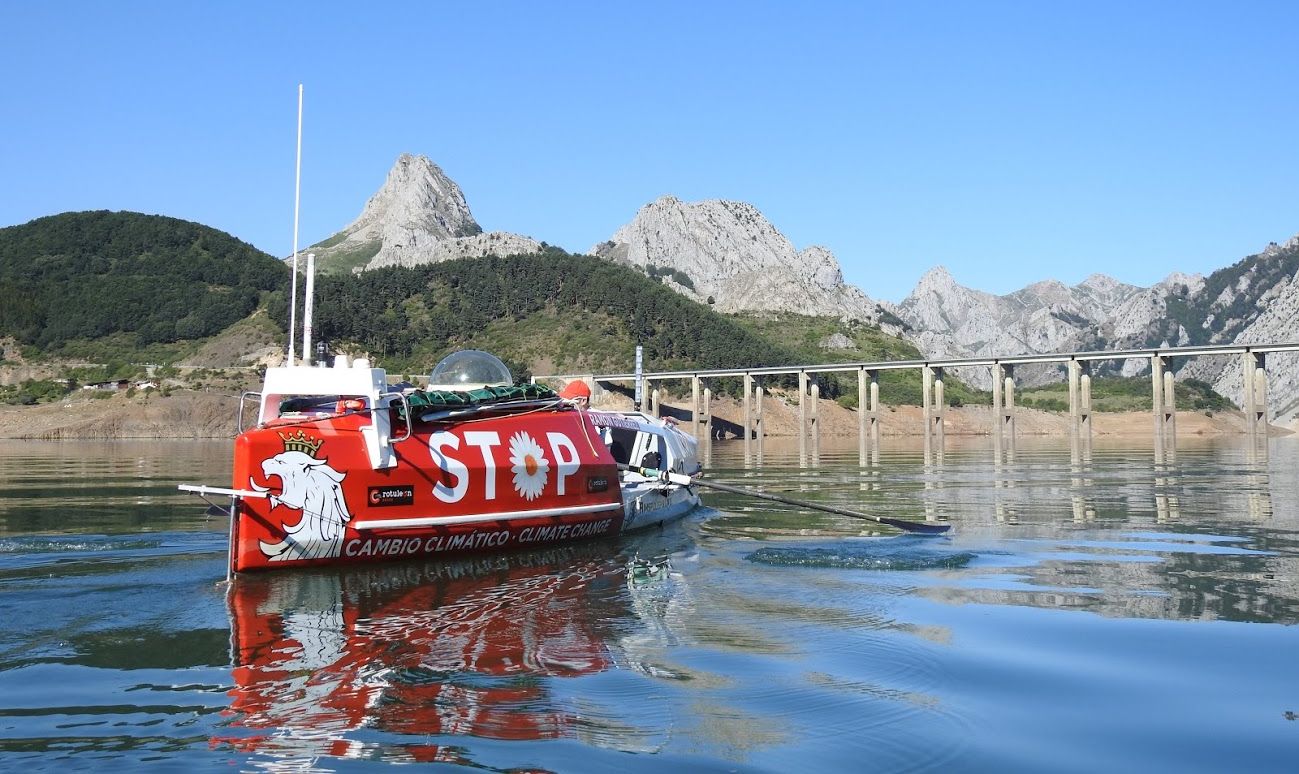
528 464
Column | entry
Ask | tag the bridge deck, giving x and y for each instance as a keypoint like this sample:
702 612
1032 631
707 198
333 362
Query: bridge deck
888 365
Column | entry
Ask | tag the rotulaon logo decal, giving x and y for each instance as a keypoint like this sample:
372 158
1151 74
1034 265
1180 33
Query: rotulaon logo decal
384 496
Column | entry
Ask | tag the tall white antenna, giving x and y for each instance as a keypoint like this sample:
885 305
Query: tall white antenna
297 194
306 309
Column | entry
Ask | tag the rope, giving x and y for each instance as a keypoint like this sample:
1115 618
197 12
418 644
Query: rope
585 433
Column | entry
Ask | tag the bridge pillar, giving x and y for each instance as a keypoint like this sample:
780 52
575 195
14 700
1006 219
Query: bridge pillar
747 389
933 400
707 415
1170 400
1085 395
1074 372
1254 383
802 417
815 429
1156 381
874 415
1164 403
694 406
707 419
1003 397
940 405
1080 395
926 394
645 396
654 402
862 420
757 416
996 395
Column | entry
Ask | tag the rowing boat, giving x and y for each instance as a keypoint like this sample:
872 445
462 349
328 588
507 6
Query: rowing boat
341 468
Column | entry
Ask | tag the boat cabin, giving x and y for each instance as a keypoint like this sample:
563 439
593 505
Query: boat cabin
642 441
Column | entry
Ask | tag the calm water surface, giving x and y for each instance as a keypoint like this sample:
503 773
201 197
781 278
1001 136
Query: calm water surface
1117 608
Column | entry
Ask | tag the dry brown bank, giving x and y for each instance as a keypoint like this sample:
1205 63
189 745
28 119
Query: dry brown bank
780 418
180 415
195 414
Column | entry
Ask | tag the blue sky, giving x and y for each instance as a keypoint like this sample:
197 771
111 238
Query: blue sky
1008 141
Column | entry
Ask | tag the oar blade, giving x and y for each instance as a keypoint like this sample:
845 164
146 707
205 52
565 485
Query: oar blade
916 527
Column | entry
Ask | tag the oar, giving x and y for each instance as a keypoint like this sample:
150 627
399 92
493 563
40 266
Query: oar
923 528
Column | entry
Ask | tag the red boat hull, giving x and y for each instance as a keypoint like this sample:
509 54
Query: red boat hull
497 483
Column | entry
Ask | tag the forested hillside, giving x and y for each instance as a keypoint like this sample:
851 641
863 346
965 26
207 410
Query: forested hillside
413 315
87 275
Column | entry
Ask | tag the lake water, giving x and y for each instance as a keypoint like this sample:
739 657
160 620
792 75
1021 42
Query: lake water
1119 608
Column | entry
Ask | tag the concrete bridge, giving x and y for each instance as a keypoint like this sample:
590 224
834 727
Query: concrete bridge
1079 366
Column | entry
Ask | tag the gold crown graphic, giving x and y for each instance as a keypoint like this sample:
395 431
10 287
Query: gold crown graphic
302 442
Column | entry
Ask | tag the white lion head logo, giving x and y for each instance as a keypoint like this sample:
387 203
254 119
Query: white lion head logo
311 486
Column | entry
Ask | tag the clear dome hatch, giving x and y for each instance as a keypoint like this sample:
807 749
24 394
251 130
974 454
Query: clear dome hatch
469 369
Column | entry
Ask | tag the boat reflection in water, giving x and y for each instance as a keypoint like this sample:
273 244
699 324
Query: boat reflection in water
427 649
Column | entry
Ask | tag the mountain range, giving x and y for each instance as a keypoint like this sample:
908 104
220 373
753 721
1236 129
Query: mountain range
1255 300
727 254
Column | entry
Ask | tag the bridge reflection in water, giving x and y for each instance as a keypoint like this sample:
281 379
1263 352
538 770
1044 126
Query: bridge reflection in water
956 479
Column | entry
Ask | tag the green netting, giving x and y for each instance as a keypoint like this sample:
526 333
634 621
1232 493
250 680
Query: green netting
438 400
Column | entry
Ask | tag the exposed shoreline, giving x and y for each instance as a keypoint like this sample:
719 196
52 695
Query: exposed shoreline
780 419
181 415
209 415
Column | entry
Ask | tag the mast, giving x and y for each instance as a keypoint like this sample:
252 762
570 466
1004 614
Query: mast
306 309
297 193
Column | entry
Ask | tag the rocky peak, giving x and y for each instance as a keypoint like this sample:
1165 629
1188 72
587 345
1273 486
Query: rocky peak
937 286
936 280
1273 249
729 252
1046 287
419 215
418 196
821 267
728 236
1173 283
1101 283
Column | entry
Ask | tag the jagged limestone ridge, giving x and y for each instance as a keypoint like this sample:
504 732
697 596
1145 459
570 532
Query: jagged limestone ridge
418 216
1255 300
730 253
